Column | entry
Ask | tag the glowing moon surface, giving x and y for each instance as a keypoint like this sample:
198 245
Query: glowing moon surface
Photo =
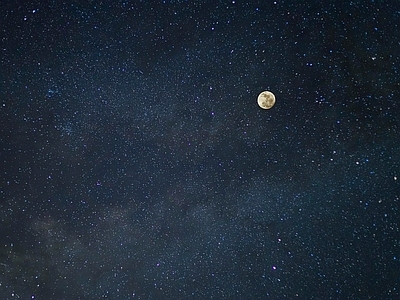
266 100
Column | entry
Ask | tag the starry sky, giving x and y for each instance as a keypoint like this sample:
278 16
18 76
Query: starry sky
135 162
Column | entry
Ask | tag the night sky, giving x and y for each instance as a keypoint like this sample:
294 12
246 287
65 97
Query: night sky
135 162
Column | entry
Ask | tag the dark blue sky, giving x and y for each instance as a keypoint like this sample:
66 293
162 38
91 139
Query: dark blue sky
136 164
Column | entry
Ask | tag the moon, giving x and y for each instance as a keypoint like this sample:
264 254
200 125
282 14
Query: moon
266 100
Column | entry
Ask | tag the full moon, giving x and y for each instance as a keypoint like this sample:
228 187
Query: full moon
266 100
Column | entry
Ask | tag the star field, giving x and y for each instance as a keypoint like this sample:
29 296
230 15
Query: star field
136 164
